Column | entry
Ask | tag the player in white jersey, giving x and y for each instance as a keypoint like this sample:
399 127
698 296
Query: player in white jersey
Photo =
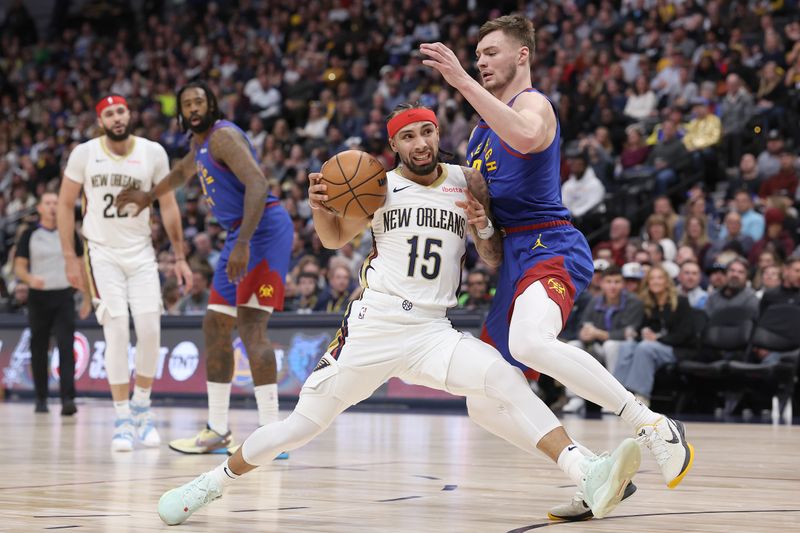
120 260
398 328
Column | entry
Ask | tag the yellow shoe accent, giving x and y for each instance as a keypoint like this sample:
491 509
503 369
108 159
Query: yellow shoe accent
675 482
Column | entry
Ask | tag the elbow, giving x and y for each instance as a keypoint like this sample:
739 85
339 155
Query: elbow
529 139
331 244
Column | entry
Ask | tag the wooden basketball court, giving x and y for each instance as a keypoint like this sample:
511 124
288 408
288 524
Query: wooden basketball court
381 472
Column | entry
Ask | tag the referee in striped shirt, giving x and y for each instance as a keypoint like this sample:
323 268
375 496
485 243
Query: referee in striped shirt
51 306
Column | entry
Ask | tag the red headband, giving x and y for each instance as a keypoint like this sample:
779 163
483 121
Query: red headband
401 120
109 100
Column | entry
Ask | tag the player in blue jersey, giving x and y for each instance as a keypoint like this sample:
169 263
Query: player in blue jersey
547 262
248 282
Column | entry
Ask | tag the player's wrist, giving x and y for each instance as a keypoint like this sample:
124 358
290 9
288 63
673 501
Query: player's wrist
487 232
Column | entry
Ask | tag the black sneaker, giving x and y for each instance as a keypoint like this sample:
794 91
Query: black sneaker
41 406
68 407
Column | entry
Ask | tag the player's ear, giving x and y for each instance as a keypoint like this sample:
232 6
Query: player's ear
524 55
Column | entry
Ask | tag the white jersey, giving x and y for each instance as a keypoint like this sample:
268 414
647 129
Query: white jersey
419 240
103 175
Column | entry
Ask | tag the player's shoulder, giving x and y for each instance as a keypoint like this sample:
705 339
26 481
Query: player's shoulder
533 100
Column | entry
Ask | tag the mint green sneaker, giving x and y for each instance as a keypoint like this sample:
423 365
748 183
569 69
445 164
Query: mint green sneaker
177 505
606 476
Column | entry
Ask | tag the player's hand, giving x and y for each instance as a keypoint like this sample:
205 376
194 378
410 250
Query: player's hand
445 62
183 274
36 282
476 214
237 262
72 268
86 307
140 199
317 192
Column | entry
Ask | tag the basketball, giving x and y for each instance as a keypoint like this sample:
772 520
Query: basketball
356 184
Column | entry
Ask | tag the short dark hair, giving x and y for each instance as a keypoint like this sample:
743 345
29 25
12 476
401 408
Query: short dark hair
613 270
515 26
213 105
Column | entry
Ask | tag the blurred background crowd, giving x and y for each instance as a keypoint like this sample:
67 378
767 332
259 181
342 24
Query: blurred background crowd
680 126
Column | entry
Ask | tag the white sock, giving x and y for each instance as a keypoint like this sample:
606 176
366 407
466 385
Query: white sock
141 396
636 413
267 402
223 474
219 400
123 409
570 460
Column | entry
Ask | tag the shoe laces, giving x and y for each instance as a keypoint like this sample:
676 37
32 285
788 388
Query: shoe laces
655 443
198 493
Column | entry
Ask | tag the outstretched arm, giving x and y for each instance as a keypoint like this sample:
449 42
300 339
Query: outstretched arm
477 207
529 126
181 171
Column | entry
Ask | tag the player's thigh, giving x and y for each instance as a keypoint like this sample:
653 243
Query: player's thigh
430 356
108 283
143 285
469 366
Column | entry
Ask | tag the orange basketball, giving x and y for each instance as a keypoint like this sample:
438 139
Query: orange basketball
356 184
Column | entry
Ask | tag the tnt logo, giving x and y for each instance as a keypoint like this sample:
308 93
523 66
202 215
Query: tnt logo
266 291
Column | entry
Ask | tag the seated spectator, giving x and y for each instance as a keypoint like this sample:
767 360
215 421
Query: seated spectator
307 294
667 333
689 284
717 277
633 274
752 221
611 317
18 303
734 238
477 296
336 296
636 151
703 134
697 206
583 191
684 254
171 296
203 251
787 292
747 177
642 101
784 182
776 238
696 237
619 232
736 109
663 206
196 302
657 230
769 160
735 292
769 278
668 157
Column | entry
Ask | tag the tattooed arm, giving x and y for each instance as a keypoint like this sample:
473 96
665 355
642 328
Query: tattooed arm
229 147
477 206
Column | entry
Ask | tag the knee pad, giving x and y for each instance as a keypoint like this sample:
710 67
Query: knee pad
117 336
148 343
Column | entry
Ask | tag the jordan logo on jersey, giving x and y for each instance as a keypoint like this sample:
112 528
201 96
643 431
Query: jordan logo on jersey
538 243
556 286
266 291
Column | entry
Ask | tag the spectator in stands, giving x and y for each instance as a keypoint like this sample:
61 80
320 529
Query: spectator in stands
203 250
717 277
668 157
642 101
633 274
662 206
196 302
18 303
734 238
685 253
611 317
703 133
636 151
696 237
583 192
752 221
667 334
263 96
335 298
776 238
769 160
619 233
171 297
787 292
735 292
747 177
657 231
784 182
307 294
477 296
769 278
689 284
736 109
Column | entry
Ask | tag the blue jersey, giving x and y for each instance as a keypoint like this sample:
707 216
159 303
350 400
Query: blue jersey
222 190
524 188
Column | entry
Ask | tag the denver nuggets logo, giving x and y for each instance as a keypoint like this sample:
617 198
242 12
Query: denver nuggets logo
538 243
556 286
266 291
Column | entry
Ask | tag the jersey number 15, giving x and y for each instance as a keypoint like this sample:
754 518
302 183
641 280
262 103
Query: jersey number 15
432 257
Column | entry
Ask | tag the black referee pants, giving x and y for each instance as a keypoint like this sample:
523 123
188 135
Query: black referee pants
52 313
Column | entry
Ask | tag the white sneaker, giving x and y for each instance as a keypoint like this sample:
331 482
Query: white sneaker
122 440
177 505
574 405
606 476
666 439
145 425
577 509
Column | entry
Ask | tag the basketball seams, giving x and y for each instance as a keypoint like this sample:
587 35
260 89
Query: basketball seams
350 187
346 185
